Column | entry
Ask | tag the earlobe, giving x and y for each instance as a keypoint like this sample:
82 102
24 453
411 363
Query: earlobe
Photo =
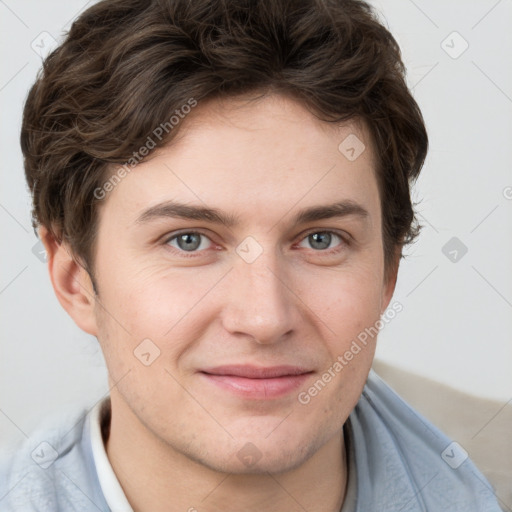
71 282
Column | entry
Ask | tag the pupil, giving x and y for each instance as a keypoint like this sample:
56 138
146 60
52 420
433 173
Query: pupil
189 241
320 240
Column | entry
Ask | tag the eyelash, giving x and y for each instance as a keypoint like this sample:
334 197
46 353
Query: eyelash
344 241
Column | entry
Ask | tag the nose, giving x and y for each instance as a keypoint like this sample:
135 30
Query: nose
259 302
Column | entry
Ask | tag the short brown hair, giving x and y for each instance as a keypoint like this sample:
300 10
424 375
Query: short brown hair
126 65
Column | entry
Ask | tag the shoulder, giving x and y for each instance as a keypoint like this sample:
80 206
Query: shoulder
52 470
410 462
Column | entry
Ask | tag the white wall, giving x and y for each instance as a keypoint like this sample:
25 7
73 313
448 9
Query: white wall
457 318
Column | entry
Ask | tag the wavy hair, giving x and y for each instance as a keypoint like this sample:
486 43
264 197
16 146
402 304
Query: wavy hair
126 65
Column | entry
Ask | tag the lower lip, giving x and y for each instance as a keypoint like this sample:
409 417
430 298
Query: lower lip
263 389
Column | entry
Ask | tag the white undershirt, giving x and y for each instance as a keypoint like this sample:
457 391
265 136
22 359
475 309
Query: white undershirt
112 490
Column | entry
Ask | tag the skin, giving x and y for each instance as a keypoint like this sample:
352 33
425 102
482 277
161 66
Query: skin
175 437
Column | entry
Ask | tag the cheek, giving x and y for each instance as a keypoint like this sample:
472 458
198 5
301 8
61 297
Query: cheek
347 301
155 302
348 305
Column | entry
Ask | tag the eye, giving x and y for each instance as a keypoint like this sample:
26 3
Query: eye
322 240
189 241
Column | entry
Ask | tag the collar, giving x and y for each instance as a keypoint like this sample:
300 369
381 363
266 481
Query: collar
99 425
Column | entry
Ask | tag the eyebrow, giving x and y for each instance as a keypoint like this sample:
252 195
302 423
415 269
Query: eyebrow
173 209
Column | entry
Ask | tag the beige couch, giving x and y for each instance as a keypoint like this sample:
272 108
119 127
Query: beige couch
482 427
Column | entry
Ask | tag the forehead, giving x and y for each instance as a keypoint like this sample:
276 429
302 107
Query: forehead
260 156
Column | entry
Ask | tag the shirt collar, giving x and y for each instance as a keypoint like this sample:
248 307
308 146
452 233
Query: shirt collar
99 419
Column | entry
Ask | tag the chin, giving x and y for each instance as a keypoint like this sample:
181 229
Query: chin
263 464
251 455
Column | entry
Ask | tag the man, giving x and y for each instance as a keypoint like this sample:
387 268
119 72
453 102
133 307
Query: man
222 189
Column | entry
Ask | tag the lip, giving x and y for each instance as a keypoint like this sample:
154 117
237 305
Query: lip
254 382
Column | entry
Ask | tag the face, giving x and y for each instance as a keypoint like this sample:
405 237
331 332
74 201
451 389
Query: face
220 321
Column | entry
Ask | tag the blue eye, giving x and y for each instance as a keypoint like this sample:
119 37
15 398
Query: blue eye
189 241
321 240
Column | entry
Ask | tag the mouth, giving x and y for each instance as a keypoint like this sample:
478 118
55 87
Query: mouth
252 382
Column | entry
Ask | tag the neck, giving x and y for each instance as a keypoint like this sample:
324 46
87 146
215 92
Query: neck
155 477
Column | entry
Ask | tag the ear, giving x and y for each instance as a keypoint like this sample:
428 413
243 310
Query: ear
389 284
71 282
